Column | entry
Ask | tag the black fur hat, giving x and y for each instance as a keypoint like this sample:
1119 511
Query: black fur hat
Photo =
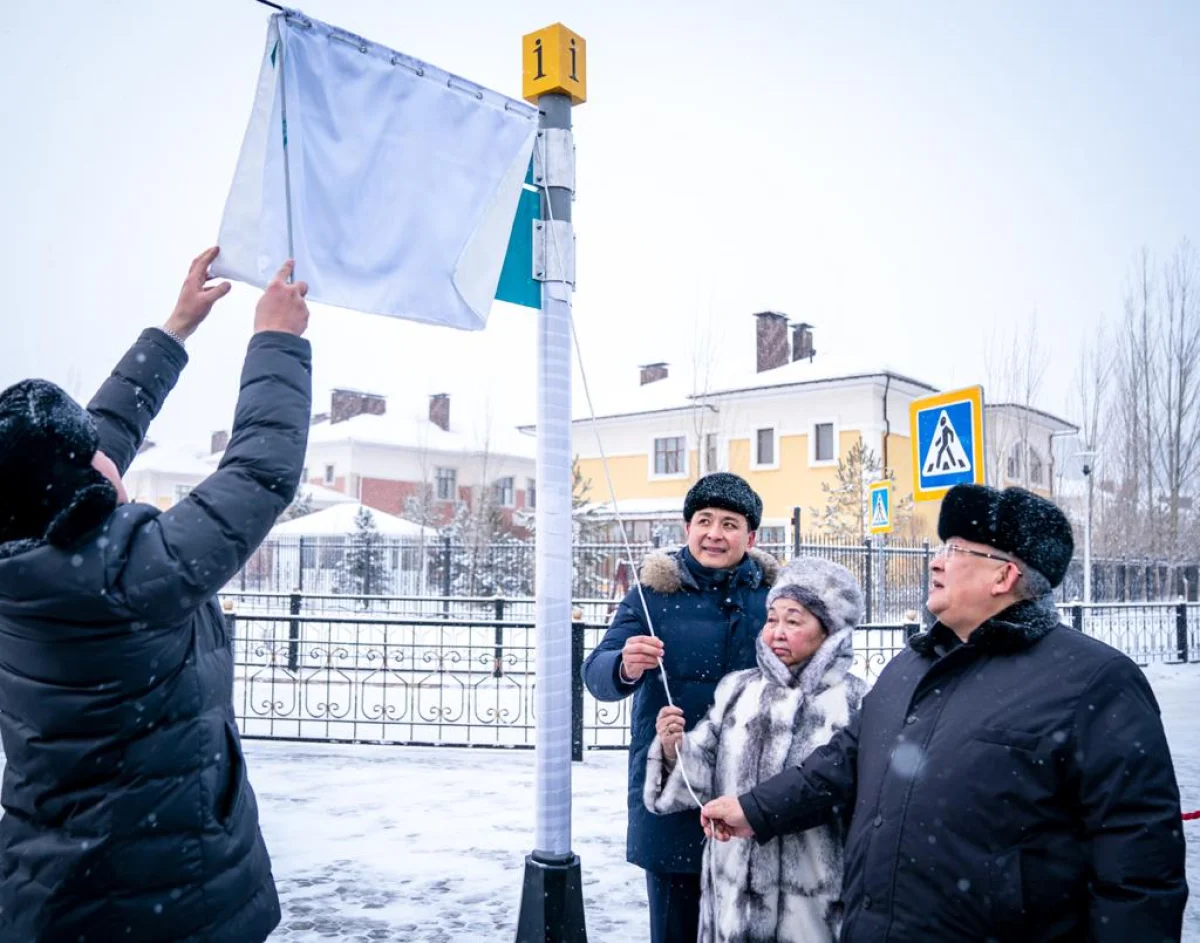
1014 521
726 491
48 488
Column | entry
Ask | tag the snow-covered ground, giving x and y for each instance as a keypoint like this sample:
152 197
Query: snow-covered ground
397 843
408 843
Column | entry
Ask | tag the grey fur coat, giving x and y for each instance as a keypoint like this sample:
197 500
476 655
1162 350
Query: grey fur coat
762 720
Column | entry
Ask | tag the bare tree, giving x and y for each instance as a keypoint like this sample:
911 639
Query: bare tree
1015 362
1177 433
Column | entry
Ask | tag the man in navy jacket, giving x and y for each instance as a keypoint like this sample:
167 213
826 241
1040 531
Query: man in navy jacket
706 604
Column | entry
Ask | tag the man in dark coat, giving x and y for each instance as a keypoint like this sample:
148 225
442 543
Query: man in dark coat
706 605
1008 777
127 811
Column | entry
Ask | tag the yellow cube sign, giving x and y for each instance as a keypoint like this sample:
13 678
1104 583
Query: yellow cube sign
554 60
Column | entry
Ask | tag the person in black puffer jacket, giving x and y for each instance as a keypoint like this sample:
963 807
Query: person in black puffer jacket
127 810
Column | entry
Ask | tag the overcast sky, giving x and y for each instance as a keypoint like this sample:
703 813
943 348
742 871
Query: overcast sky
906 177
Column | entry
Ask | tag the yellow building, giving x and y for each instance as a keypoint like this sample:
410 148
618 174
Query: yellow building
784 428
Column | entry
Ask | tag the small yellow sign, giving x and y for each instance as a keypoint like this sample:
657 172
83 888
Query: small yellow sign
554 60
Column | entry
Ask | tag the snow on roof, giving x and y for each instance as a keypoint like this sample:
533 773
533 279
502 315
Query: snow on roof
822 368
421 434
338 521
170 460
323 497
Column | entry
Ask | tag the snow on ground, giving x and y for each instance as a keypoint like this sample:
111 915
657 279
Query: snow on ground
428 844
398 843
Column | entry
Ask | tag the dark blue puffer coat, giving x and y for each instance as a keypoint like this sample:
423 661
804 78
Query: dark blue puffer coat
127 810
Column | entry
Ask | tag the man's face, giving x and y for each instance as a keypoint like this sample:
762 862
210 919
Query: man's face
106 467
718 538
966 581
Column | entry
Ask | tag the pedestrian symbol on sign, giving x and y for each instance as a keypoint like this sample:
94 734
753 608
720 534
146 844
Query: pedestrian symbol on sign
946 455
879 517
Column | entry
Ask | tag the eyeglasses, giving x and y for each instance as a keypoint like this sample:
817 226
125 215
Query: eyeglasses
948 550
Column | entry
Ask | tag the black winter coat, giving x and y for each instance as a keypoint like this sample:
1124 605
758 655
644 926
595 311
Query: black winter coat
1017 787
127 811
707 632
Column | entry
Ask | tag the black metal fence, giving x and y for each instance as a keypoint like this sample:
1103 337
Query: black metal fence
462 671
894 576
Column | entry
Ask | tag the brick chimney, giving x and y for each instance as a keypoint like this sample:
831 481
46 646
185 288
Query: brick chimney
439 410
346 404
771 335
802 342
653 371
220 441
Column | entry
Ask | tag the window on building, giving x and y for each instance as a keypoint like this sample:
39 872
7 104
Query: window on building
710 452
531 493
669 455
181 492
1036 469
823 442
764 449
1015 461
504 492
773 535
447 484
329 475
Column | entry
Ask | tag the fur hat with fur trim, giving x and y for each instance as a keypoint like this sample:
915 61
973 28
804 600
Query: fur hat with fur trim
50 490
826 589
1013 521
726 491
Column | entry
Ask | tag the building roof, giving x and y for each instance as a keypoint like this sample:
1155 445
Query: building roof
419 434
1061 425
338 521
170 460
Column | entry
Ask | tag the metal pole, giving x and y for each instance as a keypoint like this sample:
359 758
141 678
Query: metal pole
552 895
1087 544
552 834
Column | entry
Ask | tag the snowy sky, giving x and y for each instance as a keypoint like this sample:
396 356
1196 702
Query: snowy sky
905 177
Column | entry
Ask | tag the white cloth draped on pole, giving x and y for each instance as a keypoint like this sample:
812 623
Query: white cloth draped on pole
392 183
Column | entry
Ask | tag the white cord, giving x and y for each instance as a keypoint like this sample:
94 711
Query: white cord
662 671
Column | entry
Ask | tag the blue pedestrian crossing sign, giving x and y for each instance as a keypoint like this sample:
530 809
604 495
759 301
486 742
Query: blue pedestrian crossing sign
947 441
881 507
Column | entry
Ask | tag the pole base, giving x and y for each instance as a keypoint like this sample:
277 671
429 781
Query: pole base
552 902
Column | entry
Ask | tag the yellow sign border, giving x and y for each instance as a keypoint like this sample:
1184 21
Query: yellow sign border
880 486
972 394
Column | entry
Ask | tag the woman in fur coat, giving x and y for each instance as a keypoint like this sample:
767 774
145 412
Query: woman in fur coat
763 720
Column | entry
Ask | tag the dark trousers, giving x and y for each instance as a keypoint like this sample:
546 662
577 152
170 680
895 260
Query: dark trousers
674 907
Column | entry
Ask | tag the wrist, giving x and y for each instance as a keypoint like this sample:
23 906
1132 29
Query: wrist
178 329
625 679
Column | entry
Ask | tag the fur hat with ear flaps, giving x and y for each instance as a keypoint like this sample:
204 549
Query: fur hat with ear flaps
826 589
48 488
1013 521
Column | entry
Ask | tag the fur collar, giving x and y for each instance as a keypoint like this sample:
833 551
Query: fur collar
88 511
665 572
1015 629
827 667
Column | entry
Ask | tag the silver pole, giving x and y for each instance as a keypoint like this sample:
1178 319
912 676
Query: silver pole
552 837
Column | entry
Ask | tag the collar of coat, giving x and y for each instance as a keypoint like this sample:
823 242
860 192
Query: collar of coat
665 572
828 665
88 511
1016 628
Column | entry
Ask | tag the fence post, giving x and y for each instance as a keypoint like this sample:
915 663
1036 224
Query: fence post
300 568
796 531
1077 616
577 691
498 654
1181 631
446 582
294 633
869 581
924 577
